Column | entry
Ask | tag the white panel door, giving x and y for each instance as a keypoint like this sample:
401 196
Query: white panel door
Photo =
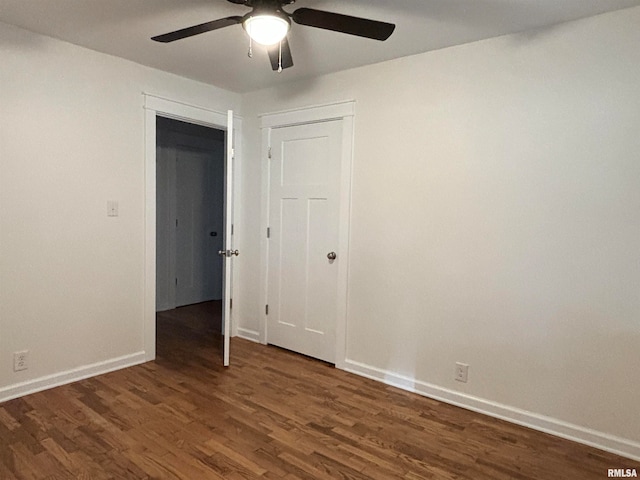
227 252
304 194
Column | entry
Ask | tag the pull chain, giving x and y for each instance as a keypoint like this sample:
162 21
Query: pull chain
280 58
250 53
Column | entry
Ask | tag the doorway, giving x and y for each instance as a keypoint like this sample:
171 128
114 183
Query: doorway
190 196
155 106
189 213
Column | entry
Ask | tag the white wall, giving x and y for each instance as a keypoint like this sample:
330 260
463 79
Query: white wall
71 138
495 221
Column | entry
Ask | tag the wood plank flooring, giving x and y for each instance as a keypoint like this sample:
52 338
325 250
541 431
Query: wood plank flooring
271 415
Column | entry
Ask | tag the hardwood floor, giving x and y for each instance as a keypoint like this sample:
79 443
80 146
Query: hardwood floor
271 415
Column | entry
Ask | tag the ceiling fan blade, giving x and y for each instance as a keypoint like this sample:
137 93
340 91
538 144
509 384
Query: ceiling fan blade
337 22
197 29
274 55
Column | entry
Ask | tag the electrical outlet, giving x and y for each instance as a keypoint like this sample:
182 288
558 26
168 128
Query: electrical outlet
20 360
462 372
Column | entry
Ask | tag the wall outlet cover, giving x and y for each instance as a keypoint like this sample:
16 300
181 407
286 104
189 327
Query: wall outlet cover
462 372
20 360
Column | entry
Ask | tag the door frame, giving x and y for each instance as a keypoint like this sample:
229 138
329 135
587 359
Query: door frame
155 106
345 112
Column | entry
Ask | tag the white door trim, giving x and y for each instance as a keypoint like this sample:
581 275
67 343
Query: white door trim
316 113
344 111
158 106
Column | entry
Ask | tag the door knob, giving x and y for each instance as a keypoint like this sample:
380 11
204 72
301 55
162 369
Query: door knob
331 255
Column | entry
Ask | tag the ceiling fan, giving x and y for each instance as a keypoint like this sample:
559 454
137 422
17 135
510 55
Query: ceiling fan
268 24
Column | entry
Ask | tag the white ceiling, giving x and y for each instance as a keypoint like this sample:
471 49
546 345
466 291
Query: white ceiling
123 28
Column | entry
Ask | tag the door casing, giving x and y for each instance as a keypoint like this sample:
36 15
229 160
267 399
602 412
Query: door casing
345 112
158 106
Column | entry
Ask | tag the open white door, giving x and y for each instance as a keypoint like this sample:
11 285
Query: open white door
227 253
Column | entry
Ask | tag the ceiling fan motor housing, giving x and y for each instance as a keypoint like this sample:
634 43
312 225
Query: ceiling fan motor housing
276 23
271 4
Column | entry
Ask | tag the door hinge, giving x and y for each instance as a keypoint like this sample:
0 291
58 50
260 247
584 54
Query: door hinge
176 223
231 303
266 309
176 280
268 232
269 154
232 229
233 153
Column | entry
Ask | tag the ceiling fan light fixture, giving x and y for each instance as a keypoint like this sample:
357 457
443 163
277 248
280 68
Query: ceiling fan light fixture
266 29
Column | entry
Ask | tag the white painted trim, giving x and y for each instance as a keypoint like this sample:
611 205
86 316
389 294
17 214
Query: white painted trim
184 111
251 335
264 224
159 106
317 113
149 340
345 112
344 222
603 441
70 376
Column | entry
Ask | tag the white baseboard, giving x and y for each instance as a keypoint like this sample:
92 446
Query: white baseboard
69 376
619 446
247 334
